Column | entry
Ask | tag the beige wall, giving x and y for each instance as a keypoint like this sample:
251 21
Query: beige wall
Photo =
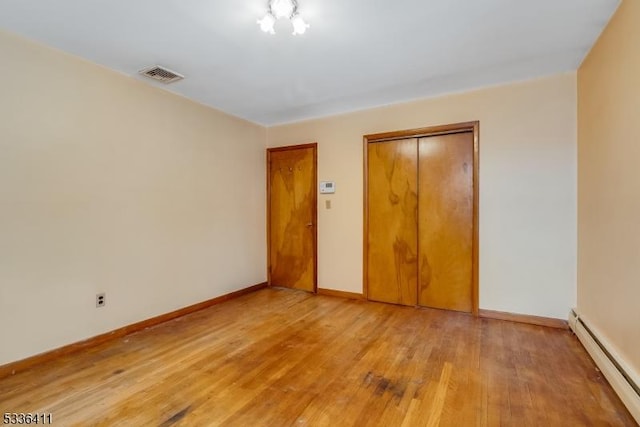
110 185
527 188
609 186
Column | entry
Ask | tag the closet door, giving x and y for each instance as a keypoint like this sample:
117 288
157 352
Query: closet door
392 194
446 221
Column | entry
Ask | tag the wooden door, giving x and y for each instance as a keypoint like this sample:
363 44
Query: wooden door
392 246
292 212
446 221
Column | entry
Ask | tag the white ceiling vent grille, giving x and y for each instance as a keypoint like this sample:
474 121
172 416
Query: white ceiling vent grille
161 74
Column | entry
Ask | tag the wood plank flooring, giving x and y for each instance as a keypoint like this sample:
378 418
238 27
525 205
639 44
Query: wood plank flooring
283 358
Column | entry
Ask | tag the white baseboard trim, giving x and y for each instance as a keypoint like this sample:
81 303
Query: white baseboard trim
623 381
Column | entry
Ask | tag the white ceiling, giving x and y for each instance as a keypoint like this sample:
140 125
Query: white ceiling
357 53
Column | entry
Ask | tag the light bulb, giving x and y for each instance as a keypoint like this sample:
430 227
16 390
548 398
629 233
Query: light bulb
282 8
299 26
267 23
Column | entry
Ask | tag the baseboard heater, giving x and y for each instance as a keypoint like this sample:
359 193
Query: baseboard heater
620 379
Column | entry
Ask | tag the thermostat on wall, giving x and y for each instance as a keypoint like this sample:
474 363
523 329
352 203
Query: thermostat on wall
327 187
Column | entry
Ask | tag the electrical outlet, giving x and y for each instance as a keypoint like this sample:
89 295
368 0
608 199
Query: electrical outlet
101 300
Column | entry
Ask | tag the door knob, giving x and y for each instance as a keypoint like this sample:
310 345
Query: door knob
310 224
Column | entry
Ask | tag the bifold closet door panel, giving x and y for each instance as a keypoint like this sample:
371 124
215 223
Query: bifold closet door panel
392 195
446 221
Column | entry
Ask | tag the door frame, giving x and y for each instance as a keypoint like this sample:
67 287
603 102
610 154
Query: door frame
314 146
473 127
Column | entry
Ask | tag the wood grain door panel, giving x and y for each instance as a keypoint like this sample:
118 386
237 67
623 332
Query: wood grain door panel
292 218
446 203
392 221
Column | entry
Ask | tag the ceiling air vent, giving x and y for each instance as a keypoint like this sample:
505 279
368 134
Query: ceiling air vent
161 74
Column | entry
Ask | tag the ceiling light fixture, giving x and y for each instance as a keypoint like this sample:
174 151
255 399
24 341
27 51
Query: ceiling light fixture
283 9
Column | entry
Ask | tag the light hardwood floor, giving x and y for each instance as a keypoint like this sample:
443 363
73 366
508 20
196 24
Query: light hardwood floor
281 357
